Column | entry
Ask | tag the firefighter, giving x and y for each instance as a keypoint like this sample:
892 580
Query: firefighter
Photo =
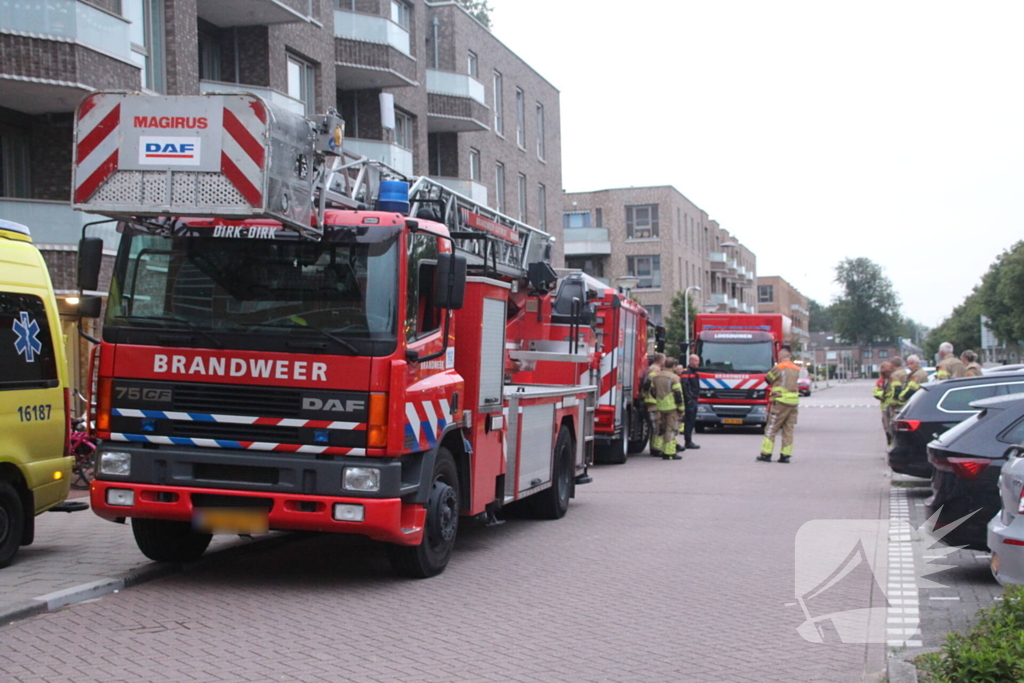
667 393
785 397
882 392
972 368
691 392
916 378
949 365
657 361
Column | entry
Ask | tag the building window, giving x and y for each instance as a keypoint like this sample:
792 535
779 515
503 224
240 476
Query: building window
598 218
654 312
209 57
474 164
520 118
401 14
576 219
540 131
647 269
642 221
499 120
883 353
473 65
14 162
522 198
591 266
403 130
542 206
300 83
765 294
147 36
421 316
499 186
867 354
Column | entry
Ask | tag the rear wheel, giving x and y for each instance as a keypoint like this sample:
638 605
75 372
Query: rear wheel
552 503
640 432
12 523
431 556
166 541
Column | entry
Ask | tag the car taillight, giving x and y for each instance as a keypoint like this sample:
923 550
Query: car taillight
377 425
968 468
907 425
103 394
67 422
1020 503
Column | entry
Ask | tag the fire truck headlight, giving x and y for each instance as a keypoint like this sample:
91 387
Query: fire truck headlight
124 498
116 463
365 479
345 512
757 410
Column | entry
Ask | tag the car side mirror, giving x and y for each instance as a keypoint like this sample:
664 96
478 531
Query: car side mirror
89 306
450 281
90 259
1014 452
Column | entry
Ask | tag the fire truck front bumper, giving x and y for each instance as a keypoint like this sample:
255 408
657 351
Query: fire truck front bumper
389 520
727 415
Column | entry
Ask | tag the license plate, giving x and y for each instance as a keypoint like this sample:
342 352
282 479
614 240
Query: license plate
732 421
230 520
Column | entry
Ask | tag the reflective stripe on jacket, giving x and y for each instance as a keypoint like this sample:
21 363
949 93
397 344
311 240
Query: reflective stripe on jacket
653 370
950 366
897 380
784 378
914 383
667 392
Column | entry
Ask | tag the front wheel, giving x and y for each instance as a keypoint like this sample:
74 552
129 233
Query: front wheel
12 523
166 541
431 556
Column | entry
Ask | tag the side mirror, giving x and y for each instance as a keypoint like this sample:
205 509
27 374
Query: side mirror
450 281
89 306
90 258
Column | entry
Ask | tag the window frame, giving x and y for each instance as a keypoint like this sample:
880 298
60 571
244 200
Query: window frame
475 172
499 186
306 84
473 64
497 85
404 130
521 190
942 400
413 293
542 202
765 289
653 228
521 118
150 55
404 14
633 262
540 132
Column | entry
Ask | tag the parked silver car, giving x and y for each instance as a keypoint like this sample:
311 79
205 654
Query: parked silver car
1006 529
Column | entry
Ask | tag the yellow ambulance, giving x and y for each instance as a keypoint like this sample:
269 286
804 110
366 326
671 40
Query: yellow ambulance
35 470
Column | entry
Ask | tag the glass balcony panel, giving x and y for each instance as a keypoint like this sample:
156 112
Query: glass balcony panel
460 85
70 20
273 96
370 28
394 156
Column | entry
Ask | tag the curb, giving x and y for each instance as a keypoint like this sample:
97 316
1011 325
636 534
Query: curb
899 667
51 602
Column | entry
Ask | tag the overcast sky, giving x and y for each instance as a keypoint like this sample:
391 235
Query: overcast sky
812 131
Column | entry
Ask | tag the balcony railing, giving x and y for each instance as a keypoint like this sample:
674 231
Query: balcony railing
392 155
718 299
370 28
273 96
460 85
69 20
471 188
581 241
55 222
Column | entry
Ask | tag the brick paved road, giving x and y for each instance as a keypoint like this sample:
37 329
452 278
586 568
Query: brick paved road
662 571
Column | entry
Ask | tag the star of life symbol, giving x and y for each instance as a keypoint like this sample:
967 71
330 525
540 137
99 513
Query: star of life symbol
27 342
842 566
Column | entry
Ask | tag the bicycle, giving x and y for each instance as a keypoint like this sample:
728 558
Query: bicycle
83 447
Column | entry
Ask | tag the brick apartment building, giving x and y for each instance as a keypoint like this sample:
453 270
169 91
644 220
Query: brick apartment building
775 295
467 110
843 359
660 237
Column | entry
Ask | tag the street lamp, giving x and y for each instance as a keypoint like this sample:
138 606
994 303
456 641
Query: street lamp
686 304
627 284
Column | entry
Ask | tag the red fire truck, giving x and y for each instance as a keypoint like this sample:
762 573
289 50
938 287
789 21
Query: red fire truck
736 351
297 340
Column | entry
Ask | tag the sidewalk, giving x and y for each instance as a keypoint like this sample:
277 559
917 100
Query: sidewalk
78 556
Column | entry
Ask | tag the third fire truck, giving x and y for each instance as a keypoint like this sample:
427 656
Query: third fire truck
297 340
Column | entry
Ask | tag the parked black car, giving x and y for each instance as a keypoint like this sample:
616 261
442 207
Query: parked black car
939 406
968 459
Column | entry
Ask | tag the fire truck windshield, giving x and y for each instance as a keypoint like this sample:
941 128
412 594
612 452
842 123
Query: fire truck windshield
735 356
339 295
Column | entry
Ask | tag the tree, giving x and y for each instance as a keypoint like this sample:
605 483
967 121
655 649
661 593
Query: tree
962 328
675 323
1002 296
868 309
912 330
821 317
479 9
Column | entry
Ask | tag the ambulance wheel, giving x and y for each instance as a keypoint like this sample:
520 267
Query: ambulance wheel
642 433
431 556
552 503
166 541
12 523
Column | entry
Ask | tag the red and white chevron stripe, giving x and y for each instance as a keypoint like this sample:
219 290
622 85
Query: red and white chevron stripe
242 155
99 117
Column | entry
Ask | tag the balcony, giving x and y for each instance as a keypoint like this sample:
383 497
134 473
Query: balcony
586 241
720 300
398 158
470 188
57 51
371 52
228 13
273 96
53 222
733 304
456 103
718 261
799 309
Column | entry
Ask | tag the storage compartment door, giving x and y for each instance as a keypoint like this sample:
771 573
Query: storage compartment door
492 356
536 437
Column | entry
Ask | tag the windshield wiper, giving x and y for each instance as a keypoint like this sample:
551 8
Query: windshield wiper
174 319
341 342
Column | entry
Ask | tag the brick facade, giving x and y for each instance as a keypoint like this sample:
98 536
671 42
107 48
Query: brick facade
775 295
